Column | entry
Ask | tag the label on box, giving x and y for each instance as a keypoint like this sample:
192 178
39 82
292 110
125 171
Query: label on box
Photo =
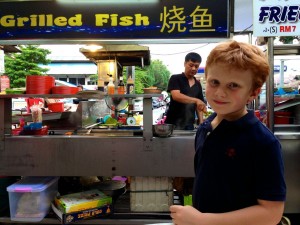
67 218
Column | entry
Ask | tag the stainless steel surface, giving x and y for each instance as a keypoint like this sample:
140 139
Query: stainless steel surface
270 86
88 156
291 156
287 49
50 221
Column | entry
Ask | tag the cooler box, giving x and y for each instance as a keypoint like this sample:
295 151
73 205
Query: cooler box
151 194
30 198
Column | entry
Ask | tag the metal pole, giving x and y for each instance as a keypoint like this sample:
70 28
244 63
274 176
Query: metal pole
270 86
281 73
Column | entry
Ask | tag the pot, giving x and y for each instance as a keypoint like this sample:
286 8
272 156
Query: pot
113 188
162 130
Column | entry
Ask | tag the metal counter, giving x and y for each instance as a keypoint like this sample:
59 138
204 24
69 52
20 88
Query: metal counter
289 136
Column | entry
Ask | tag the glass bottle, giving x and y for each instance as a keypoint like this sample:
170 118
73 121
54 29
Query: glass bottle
121 86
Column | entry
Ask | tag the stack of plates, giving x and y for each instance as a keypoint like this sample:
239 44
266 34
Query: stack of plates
39 84
64 90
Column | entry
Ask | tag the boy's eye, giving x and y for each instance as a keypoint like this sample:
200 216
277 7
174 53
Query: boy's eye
233 85
214 83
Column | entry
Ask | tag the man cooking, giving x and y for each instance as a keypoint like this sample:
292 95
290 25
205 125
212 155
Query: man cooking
186 95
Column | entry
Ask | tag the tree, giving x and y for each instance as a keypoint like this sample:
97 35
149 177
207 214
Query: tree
156 74
19 65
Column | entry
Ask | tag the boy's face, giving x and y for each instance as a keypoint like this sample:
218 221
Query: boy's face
229 90
191 68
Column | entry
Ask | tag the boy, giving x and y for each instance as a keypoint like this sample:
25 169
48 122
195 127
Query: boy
239 174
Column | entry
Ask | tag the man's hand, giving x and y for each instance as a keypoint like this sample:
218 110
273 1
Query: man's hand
201 106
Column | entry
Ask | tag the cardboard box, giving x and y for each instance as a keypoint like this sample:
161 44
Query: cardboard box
67 218
82 201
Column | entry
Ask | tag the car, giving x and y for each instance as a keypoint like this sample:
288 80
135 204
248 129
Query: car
156 103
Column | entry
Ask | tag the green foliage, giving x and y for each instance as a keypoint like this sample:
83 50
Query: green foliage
288 39
19 65
156 74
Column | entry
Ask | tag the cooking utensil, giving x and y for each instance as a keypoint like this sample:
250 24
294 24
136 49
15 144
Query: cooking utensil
113 188
162 130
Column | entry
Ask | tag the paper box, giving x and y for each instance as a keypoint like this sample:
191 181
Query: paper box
67 218
82 201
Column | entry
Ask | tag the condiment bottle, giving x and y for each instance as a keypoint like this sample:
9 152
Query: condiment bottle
110 86
130 86
121 86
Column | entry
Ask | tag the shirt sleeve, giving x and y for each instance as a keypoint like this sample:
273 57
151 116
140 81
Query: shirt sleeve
173 83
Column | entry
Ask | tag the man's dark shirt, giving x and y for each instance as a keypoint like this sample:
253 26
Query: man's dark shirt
180 114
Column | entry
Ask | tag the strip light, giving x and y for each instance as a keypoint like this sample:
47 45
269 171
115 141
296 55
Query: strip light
108 1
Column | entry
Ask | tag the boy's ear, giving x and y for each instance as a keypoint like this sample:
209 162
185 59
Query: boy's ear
254 94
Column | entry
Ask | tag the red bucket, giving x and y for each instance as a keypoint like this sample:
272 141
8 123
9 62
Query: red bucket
56 107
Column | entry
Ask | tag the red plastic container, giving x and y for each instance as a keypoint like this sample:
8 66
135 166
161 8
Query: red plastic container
282 117
5 82
20 131
39 84
34 101
64 90
56 107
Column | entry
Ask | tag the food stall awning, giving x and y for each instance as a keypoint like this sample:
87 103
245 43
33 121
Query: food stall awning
9 48
126 55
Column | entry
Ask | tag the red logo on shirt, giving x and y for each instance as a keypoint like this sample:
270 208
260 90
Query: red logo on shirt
230 152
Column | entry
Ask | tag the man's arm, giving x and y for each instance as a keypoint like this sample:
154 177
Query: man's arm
179 97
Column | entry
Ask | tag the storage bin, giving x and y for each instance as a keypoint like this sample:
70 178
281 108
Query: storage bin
56 107
4 202
30 198
282 117
151 194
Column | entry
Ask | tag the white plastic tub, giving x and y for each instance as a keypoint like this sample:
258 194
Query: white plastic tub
30 198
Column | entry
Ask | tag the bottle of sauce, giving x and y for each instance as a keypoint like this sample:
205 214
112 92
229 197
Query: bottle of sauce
110 86
121 86
130 86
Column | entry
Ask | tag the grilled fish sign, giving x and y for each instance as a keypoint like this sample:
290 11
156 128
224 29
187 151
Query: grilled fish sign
276 18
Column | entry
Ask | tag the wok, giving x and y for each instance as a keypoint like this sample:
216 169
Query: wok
113 188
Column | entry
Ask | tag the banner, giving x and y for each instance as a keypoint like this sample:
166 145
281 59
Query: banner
276 18
110 20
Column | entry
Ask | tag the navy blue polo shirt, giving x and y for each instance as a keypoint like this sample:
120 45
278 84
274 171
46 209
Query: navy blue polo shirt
180 114
235 164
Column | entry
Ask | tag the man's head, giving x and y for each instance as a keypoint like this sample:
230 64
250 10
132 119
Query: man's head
191 64
241 56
